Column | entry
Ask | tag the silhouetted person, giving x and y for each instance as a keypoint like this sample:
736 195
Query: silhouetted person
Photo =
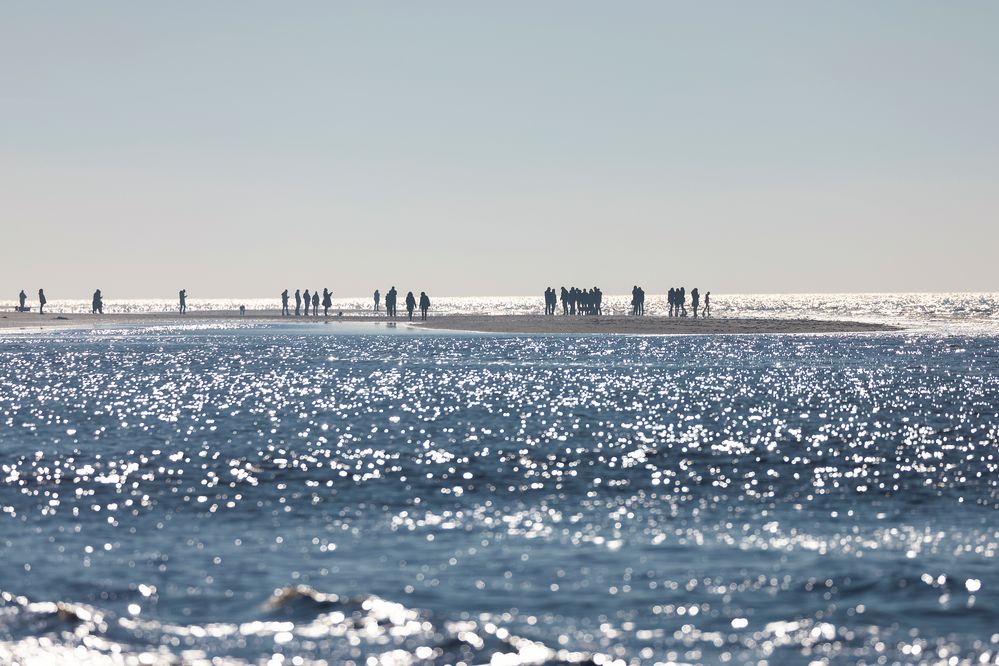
22 298
637 301
242 310
390 301
308 301
183 300
298 302
284 304
41 301
695 301
327 302
424 304
98 303
565 301
315 303
707 304
681 301
410 304
378 299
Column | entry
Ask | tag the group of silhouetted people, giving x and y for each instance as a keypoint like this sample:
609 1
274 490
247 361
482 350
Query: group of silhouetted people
574 301
309 300
22 299
313 300
676 298
582 301
391 297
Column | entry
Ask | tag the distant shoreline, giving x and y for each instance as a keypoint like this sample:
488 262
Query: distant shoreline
509 324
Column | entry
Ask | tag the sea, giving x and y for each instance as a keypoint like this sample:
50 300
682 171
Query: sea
233 493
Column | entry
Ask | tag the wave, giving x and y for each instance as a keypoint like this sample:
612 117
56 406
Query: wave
319 627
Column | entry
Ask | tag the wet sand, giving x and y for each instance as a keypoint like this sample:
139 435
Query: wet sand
649 325
514 324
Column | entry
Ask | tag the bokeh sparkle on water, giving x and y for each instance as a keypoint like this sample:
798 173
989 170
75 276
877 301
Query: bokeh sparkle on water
177 496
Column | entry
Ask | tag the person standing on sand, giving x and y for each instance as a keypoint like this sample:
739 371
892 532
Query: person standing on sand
98 303
695 300
707 305
41 301
298 302
681 301
183 301
378 299
390 301
565 301
327 302
22 298
284 303
410 304
425 305
315 303
308 301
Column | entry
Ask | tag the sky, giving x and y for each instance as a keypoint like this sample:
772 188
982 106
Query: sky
472 148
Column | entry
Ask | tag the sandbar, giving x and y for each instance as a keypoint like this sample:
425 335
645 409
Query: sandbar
509 324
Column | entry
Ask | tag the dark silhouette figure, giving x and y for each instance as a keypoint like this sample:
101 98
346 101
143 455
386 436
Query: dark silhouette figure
390 301
41 301
183 301
22 298
315 303
681 301
327 302
298 302
98 303
550 300
242 310
671 300
424 305
637 301
378 299
284 304
307 297
410 304
565 301
695 301
707 304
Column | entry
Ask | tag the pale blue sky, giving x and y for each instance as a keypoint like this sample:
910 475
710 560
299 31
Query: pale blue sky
238 148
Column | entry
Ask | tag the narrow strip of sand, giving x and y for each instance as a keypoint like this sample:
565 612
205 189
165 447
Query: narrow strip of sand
645 325
512 324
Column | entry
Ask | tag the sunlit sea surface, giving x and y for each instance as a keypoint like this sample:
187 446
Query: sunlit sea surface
297 494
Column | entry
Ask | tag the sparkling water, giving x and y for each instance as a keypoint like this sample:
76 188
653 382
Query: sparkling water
292 494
